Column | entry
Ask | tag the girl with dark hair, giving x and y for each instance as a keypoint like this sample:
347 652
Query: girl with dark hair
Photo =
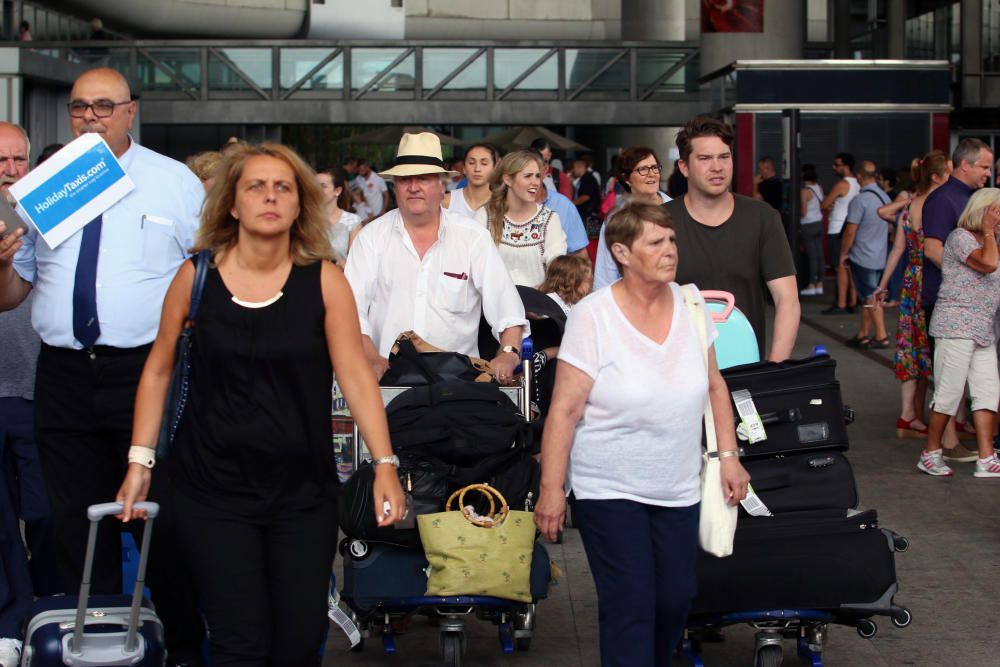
811 229
337 200
480 160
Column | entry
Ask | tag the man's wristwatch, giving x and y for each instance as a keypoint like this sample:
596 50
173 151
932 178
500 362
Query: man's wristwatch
510 348
393 459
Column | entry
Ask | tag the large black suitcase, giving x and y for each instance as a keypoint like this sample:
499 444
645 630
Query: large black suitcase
820 480
799 402
842 565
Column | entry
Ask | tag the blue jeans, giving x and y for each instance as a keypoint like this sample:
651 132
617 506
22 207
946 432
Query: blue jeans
643 561
865 280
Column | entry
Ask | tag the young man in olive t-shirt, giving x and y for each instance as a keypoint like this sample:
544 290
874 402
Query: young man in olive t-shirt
730 242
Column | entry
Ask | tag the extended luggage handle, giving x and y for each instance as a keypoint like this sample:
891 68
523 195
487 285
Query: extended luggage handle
494 518
95 513
725 297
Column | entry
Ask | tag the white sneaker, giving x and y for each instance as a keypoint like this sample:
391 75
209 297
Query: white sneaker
987 467
809 291
933 463
818 290
10 652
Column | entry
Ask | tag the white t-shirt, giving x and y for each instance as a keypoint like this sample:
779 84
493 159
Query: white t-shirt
560 302
459 204
349 220
640 435
373 186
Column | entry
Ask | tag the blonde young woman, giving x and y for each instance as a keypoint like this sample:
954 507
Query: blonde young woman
528 234
480 161
253 482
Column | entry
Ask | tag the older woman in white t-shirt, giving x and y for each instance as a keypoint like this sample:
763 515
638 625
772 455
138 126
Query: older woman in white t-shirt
623 434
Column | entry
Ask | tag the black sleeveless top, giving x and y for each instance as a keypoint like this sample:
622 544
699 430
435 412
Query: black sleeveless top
255 435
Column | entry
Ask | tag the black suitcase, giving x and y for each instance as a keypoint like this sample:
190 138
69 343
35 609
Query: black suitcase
799 402
102 630
841 565
821 480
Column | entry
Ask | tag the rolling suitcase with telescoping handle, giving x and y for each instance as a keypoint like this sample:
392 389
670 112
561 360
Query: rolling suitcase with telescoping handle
98 630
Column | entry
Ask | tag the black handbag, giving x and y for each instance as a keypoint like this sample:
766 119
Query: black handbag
426 485
410 367
180 379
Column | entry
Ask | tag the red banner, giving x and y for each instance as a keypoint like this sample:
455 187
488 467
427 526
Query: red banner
732 15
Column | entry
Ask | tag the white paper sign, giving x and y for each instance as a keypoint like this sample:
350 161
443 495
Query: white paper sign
78 183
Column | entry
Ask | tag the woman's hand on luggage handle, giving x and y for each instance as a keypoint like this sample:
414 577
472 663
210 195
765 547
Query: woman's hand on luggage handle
387 489
134 489
735 479
550 513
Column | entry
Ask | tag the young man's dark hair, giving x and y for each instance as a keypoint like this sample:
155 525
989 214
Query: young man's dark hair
847 159
703 126
540 144
808 172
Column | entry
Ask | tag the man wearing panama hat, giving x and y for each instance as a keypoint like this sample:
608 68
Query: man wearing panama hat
424 268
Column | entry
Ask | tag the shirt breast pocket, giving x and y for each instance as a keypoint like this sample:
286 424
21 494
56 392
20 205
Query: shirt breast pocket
453 294
161 251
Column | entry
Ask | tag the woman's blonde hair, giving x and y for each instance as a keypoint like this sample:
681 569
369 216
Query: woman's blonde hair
565 276
511 165
219 230
972 216
626 225
205 164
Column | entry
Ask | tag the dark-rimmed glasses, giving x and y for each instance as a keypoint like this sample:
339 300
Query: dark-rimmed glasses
101 108
646 169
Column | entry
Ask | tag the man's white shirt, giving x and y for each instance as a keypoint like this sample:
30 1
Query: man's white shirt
441 296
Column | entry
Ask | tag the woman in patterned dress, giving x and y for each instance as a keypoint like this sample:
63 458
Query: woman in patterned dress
528 234
912 360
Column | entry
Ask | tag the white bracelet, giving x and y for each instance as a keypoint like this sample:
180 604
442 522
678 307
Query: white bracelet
144 456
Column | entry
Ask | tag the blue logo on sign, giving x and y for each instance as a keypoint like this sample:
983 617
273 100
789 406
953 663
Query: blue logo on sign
72 188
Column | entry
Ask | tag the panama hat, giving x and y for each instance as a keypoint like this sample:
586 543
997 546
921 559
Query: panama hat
418 154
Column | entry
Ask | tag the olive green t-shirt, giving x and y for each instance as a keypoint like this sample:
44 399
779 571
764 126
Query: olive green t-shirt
739 256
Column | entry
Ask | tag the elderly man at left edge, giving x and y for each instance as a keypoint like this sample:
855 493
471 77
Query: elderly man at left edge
97 300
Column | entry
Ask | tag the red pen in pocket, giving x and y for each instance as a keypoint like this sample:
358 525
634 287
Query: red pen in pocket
457 276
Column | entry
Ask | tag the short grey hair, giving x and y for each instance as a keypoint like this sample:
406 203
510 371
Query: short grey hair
968 150
24 133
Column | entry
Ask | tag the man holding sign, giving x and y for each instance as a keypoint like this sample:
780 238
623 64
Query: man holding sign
97 299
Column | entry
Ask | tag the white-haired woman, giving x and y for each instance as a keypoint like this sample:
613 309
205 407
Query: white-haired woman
963 327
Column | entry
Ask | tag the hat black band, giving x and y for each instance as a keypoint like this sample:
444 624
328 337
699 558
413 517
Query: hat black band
419 159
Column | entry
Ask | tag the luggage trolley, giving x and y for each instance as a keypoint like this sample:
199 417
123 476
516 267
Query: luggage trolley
515 621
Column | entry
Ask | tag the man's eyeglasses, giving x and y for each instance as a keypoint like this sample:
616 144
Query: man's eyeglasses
647 169
101 108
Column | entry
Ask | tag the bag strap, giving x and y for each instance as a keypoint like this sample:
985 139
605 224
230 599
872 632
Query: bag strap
696 309
202 260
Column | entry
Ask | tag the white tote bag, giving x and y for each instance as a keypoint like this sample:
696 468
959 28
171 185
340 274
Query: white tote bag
717 524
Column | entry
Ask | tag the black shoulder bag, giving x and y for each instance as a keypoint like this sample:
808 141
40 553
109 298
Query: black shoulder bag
180 379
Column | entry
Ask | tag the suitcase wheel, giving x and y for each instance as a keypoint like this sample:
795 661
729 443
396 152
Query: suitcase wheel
769 656
901 617
900 543
452 648
867 628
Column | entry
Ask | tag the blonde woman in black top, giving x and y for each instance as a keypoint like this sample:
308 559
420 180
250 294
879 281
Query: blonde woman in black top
251 470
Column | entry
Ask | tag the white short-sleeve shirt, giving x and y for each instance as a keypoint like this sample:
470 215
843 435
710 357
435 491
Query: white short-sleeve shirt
640 435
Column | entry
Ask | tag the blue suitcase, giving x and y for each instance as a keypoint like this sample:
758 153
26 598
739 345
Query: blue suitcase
737 342
100 630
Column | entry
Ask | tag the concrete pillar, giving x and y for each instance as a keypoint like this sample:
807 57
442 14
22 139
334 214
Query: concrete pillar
971 39
783 38
842 29
896 19
653 20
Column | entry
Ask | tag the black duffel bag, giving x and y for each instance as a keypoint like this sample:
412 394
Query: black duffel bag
457 423
426 485
414 362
